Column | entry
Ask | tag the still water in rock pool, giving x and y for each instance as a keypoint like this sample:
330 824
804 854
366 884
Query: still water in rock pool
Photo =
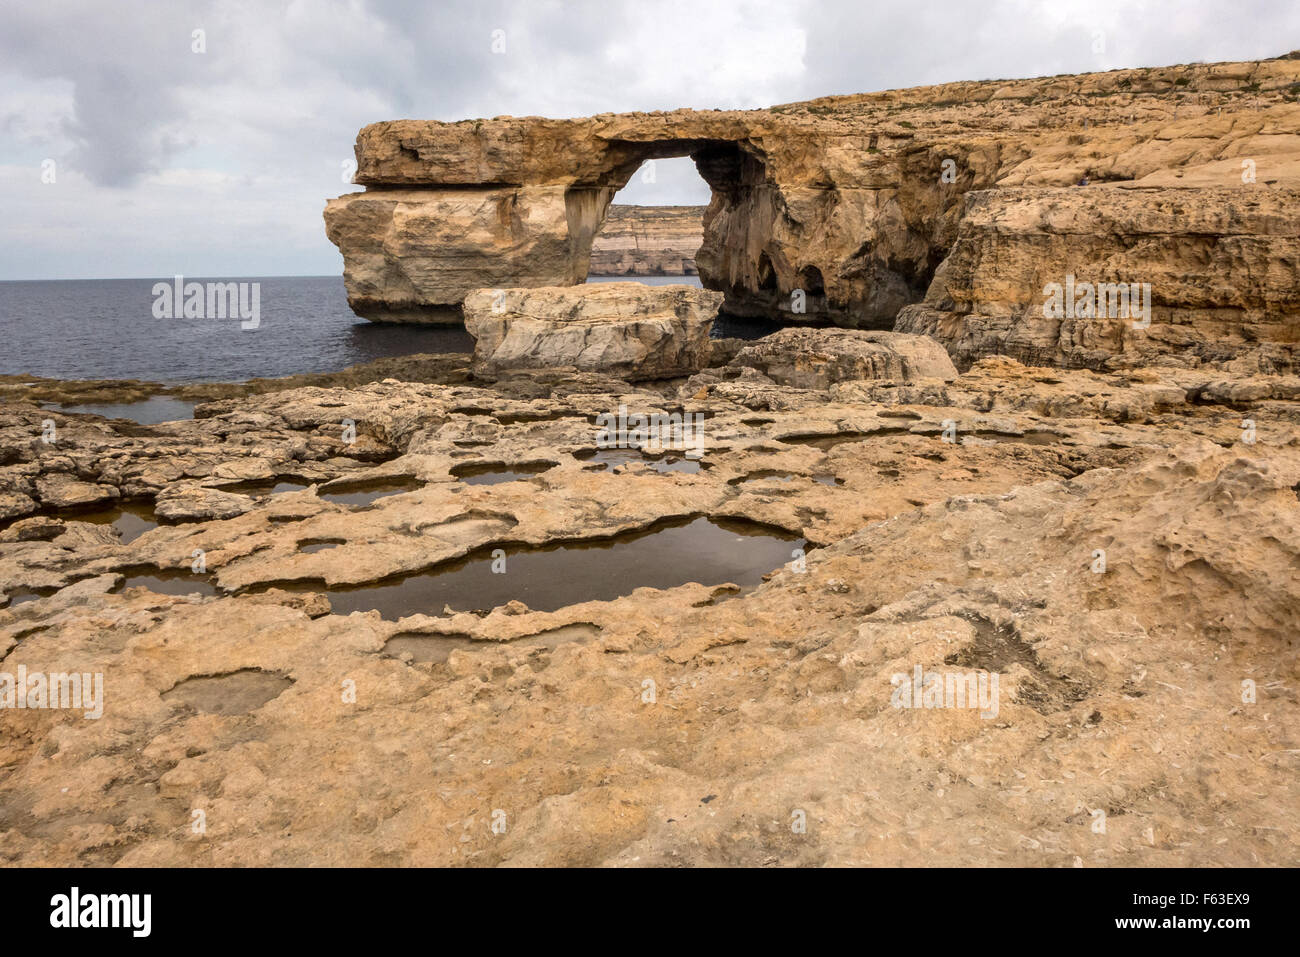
546 578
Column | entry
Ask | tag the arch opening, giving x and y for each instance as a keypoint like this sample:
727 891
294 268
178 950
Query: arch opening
653 226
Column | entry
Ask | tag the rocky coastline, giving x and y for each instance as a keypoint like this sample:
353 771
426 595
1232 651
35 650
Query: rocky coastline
614 591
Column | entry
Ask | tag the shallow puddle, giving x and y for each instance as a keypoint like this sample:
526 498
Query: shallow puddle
311 546
495 473
151 411
826 441
428 649
612 458
270 487
237 692
551 577
21 596
167 583
363 493
130 520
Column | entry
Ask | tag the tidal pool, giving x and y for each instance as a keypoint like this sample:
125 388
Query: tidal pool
495 473
130 519
166 582
150 411
365 492
546 578
612 458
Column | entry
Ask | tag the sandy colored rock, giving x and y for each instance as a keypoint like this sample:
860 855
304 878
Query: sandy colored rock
1216 271
819 358
1120 690
854 200
625 329
648 241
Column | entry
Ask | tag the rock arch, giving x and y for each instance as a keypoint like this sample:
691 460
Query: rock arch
451 207
940 210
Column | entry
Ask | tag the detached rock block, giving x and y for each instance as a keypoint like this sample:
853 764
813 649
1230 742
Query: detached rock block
819 358
624 329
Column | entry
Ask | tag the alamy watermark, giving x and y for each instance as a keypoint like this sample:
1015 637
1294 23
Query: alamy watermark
950 689
55 690
130 911
1103 300
212 300
653 431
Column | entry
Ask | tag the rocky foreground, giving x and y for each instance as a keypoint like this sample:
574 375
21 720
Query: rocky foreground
1121 549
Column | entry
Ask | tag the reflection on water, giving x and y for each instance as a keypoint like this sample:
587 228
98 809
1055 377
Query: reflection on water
150 411
130 520
549 577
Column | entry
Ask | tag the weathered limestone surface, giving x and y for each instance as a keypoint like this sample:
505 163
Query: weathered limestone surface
855 200
648 241
819 358
1222 266
626 329
413 255
1120 690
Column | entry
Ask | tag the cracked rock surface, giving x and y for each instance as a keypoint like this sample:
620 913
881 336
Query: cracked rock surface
950 523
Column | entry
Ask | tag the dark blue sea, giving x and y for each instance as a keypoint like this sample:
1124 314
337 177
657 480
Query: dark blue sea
106 329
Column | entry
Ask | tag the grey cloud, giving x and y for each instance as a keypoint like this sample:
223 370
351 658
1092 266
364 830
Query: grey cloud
273 107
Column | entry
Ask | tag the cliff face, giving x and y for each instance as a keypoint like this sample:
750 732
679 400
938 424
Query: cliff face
1102 278
648 241
842 208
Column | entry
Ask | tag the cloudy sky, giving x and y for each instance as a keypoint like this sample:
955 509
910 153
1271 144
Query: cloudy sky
166 160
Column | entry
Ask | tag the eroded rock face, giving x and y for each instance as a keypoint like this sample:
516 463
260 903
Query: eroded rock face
648 241
1204 276
413 255
972 556
625 329
819 358
855 200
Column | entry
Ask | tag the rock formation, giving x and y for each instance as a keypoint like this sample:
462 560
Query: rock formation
819 358
971 614
648 241
854 201
1099 277
624 329
1116 548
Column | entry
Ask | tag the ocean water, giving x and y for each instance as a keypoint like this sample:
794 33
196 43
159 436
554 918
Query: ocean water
106 329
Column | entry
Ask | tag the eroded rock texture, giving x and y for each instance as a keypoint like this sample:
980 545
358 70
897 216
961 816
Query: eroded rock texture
1209 276
957 527
819 358
648 241
856 200
624 329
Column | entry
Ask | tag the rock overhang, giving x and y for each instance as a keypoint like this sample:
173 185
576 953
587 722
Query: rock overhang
838 210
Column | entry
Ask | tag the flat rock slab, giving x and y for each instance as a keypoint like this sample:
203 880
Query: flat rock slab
626 329
819 358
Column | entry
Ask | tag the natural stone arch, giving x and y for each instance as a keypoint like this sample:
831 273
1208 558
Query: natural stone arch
451 207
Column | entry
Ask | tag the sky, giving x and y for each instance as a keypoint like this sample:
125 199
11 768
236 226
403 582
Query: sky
132 145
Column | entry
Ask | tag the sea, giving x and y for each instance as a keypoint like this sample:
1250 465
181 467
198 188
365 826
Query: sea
106 329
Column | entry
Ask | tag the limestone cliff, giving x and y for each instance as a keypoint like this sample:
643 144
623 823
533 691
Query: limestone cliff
648 241
1200 276
838 209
